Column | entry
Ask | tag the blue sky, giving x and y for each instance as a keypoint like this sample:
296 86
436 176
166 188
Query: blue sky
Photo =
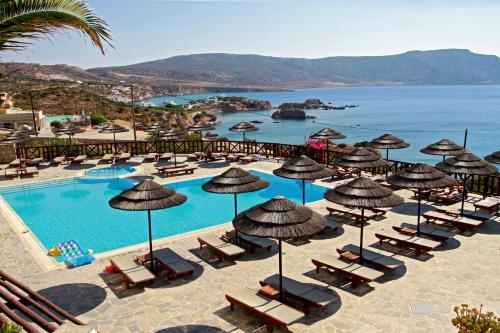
153 29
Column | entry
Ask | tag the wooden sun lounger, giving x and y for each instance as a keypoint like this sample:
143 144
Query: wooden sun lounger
417 244
489 204
248 159
31 171
193 157
425 231
356 273
151 157
107 158
461 222
174 264
123 157
354 213
132 272
168 172
372 258
251 241
307 294
272 312
476 215
79 159
11 173
15 163
34 161
59 160
221 246
165 157
33 312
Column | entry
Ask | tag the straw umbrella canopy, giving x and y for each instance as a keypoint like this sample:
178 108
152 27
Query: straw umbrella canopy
420 176
147 195
303 168
244 126
363 193
327 134
388 141
114 128
279 218
493 158
201 126
466 164
70 131
157 128
444 147
360 158
174 134
15 138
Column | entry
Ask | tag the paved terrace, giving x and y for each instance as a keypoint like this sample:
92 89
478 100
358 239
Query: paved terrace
417 298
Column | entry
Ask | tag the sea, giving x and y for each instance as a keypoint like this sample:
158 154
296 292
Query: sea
420 115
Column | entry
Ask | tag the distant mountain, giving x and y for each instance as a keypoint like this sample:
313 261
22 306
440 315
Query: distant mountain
439 67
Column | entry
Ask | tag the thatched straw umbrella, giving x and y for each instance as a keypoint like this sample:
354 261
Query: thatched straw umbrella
174 134
421 177
327 134
156 128
360 158
201 126
388 141
444 148
114 128
303 168
466 164
244 126
363 193
70 131
147 195
493 158
279 218
235 180
15 138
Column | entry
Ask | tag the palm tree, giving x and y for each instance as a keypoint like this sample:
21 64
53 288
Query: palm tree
33 19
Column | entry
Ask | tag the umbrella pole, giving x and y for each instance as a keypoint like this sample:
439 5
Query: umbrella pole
151 242
235 214
175 156
280 269
418 213
387 160
303 192
464 194
361 236
243 136
114 143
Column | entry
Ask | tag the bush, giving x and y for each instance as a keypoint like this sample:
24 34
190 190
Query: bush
56 124
10 327
472 320
96 119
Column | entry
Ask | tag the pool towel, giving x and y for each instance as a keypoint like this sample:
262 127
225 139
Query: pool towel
73 254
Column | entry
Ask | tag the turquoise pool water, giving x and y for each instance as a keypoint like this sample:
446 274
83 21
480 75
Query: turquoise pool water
109 172
78 209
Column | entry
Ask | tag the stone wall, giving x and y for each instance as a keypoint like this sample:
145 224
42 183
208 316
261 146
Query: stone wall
7 154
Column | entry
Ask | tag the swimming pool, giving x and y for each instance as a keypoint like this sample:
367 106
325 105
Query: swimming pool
78 209
109 172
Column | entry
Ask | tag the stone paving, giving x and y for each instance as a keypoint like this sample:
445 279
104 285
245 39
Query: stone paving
416 298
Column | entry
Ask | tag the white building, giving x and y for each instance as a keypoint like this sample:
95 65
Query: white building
12 118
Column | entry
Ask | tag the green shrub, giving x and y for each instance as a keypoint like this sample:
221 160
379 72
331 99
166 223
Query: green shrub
472 320
10 327
96 119
56 124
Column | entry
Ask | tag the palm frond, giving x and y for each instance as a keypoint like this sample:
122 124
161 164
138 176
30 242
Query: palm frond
33 19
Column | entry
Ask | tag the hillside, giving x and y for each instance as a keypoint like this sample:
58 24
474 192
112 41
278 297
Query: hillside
437 67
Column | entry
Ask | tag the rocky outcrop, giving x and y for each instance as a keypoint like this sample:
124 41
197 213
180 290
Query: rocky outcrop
313 104
291 114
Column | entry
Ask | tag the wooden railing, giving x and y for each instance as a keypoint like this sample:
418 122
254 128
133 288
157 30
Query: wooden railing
486 185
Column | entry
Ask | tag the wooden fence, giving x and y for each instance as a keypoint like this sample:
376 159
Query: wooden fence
486 185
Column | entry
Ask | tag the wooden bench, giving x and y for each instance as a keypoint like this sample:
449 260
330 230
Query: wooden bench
176 171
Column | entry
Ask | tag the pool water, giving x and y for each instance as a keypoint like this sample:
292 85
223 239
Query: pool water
109 172
78 209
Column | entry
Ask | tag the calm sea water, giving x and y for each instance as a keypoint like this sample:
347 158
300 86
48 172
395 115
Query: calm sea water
419 114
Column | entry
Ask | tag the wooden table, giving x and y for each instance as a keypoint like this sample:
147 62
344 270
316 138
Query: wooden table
408 231
349 256
21 171
269 291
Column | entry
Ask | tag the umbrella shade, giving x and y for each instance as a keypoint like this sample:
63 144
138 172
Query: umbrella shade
70 130
279 218
243 126
16 137
114 129
303 168
444 147
201 126
147 195
327 134
235 180
420 176
493 158
363 193
360 158
467 164
388 141
24 129
158 127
